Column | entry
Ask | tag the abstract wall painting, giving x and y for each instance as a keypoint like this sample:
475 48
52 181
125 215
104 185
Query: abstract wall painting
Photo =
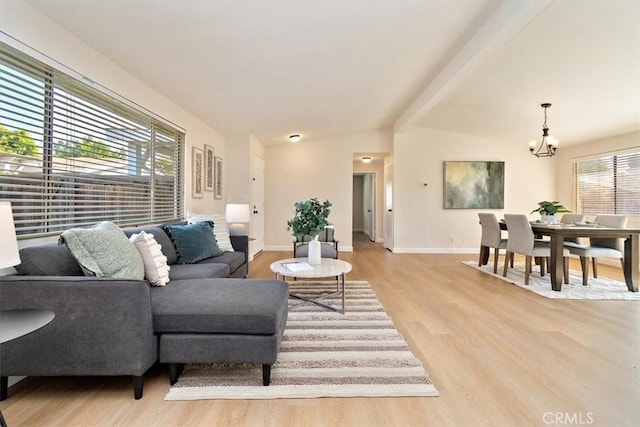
473 185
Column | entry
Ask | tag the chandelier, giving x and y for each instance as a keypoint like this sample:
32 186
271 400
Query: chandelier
549 144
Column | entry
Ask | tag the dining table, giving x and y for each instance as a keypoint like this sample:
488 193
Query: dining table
559 232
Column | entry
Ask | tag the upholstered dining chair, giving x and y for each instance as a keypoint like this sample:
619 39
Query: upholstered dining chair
599 247
328 245
491 237
570 218
522 241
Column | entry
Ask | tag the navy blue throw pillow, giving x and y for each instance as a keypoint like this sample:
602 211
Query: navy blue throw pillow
193 242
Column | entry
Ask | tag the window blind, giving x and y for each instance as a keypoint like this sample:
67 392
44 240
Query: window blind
609 185
70 155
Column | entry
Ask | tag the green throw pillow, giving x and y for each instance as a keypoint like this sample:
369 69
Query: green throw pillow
193 242
104 251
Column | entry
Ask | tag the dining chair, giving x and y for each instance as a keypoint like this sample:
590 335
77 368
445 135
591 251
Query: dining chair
522 241
600 247
491 237
570 218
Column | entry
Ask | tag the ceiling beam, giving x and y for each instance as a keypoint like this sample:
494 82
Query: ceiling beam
509 19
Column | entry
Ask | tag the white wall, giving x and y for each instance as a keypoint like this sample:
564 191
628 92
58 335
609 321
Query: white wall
314 168
238 168
21 21
421 224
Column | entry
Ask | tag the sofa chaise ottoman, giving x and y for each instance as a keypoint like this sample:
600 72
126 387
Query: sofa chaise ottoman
220 321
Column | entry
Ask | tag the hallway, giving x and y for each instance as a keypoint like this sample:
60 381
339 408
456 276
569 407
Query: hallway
362 243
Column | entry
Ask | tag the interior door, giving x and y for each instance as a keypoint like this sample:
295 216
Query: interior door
257 206
388 203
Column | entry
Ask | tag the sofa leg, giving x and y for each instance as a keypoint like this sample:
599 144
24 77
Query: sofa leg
138 381
4 388
266 375
175 369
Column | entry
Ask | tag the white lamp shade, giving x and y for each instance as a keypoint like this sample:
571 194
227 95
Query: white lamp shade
9 255
238 213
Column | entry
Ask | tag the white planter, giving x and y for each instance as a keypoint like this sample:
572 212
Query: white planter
550 219
315 252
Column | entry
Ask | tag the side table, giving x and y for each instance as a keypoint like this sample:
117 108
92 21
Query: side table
18 323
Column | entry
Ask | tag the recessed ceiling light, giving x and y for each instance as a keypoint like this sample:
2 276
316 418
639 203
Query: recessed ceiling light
294 138
366 159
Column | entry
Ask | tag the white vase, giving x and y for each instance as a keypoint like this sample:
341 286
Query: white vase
314 256
549 219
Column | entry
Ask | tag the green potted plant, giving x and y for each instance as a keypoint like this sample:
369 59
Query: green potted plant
548 211
309 220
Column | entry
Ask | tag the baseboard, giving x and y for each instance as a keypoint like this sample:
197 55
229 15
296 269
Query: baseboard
288 248
435 251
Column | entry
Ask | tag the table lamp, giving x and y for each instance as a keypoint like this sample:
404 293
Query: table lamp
236 215
9 255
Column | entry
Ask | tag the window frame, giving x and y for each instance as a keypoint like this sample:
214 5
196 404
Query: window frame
614 176
161 195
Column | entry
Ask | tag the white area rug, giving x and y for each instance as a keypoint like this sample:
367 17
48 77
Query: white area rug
323 354
597 289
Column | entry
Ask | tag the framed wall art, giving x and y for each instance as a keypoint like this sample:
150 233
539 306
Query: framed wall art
218 184
208 167
197 172
473 185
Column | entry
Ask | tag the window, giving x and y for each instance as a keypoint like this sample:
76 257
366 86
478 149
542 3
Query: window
71 155
609 185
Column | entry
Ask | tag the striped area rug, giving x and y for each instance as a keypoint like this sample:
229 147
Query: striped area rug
323 354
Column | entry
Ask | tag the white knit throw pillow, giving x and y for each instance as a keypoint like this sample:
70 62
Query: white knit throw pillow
156 270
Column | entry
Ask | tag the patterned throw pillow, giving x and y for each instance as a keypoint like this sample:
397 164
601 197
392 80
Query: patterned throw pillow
104 251
193 242
220 229
156 270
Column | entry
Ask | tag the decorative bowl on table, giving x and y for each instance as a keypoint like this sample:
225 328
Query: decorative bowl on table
586 224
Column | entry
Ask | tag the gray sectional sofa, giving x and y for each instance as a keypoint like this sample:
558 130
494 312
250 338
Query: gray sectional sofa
207 313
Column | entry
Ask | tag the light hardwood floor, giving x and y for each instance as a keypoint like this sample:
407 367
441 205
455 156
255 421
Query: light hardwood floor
498 355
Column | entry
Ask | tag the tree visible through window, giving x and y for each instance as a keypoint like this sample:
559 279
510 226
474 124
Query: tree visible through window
609 185
70 155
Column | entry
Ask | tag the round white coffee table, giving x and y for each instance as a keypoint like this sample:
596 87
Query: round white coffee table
299 268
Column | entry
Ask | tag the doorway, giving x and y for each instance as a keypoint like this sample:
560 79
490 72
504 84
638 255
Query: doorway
364 201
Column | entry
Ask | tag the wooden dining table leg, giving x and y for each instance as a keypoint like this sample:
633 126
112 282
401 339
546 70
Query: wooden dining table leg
631 267
557 267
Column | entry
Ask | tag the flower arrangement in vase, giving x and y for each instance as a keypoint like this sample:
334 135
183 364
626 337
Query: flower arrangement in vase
309 220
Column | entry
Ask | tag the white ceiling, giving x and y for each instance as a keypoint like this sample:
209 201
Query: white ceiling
324 68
